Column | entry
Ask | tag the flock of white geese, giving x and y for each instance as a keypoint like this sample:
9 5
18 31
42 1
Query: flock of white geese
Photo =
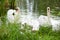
14 16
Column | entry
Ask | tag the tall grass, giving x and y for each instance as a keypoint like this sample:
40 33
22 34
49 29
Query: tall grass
14 32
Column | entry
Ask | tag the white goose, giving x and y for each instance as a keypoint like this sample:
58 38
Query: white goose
47 20
13 15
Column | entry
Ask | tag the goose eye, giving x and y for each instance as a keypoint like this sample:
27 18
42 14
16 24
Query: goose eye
48 9
13 14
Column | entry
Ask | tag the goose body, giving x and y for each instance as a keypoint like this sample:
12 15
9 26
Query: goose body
29 20
10 15
47 20
13 16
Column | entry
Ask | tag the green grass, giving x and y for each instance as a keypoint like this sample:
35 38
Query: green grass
14 32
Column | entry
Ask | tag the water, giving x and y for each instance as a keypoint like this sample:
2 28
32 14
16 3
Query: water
26 6
30 5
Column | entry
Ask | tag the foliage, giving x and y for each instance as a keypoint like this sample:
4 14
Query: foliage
14 32
5 5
